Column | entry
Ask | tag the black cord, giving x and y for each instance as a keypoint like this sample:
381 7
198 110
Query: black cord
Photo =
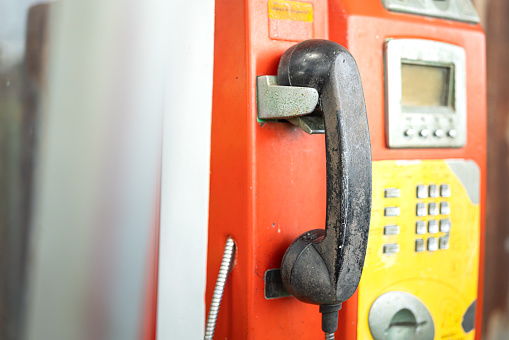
329 319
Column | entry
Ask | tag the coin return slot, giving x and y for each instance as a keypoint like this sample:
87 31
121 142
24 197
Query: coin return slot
399 315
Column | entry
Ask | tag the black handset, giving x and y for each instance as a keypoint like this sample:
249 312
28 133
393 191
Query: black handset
324 266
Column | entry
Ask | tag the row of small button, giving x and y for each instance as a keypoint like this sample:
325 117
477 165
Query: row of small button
433 244
438 133
423 191
432 210
432 191
433 226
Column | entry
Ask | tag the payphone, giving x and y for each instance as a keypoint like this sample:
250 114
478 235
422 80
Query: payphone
419 167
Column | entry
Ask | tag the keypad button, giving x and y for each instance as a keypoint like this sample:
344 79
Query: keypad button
391 230
392 193
419 245
432 209
445 209
452 133
445 225
432 227
420 209
439 133
443 242
390 248
409 132
432 244
424 133
433 191
445 190
391 211
421 191
420 228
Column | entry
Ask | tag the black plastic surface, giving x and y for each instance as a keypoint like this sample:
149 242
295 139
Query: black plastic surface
324 267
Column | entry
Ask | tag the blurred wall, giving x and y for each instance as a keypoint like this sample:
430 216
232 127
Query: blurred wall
495 20
23 59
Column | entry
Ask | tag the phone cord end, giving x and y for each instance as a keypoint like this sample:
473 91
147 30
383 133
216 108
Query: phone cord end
329 319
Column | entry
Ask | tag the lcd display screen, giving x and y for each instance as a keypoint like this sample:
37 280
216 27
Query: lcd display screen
425 85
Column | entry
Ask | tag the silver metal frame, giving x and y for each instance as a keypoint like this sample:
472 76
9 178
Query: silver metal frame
293 103
283 102
387 305
460 10
400 119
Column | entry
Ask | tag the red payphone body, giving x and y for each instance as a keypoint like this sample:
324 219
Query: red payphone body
422 66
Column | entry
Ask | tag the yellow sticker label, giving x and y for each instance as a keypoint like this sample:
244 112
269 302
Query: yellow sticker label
290 10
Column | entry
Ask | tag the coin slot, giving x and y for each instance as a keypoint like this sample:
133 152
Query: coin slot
403 325
399 315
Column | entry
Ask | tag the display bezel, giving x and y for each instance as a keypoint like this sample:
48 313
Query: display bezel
435 118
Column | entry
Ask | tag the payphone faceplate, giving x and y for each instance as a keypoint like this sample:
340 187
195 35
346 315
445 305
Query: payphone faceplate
267 182
424 242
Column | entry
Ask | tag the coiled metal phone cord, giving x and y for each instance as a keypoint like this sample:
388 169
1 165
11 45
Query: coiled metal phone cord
224 270
329 336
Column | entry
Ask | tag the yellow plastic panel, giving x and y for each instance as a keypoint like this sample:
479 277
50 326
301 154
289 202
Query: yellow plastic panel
445 280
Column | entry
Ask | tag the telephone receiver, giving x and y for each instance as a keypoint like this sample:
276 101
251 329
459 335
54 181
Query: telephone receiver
324 267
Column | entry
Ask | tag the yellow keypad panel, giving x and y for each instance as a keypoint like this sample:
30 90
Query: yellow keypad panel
423 251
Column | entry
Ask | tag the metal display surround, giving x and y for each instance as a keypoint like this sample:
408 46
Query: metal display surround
459 10
399 121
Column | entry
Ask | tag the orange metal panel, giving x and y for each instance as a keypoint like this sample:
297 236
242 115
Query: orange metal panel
268 181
